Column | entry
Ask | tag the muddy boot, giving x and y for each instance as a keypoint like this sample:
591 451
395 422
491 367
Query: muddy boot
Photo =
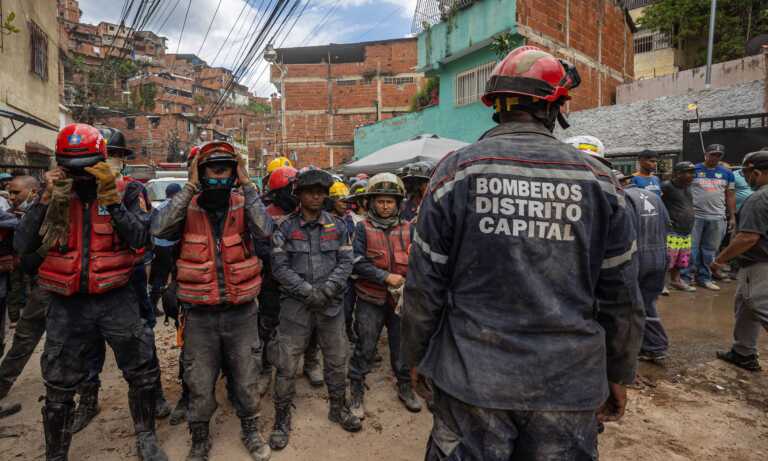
142 403
179 413
87 407
201 442
339 413
252 439
409 399
747 362
57 422
282 429
162 408
357 402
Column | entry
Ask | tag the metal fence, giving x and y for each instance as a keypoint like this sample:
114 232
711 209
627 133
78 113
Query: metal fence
632 4
430 12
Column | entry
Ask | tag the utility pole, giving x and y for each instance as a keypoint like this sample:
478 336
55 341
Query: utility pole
710 45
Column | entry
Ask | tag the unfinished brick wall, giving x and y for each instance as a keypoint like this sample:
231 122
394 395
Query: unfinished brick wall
593 34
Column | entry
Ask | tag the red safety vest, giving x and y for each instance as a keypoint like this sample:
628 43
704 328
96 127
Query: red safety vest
202 256
386 250
109 263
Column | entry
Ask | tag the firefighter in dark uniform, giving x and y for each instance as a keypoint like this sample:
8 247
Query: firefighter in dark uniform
88 239
382 244
415 178
522 313
218 280
312 260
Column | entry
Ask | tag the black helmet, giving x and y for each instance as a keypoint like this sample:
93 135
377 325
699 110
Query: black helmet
683 166
311 178
116 145
758 160
417 170
719 148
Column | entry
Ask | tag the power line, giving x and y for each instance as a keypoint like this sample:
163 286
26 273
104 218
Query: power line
251 29
209 28
181 36
245 4
170 13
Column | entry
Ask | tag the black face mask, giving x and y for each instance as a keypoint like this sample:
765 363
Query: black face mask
285 200
214 199
85 188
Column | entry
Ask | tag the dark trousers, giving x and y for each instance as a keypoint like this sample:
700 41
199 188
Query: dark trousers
29 331
215 339
370 319
297 324
462 432
269 318
77 326
651 281
18 293
350 300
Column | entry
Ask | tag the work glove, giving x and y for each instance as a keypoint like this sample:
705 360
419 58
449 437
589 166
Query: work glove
106 191
55 228
317 300
330 290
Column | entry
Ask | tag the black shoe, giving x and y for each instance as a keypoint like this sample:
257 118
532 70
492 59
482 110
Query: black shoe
252 439
339 413
179 412
162 408
747 362
357 400
57 425
87 407
654 357
282 429
201 442
147 447
141 401
409 399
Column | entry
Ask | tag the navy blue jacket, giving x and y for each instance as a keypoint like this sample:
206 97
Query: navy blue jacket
521 293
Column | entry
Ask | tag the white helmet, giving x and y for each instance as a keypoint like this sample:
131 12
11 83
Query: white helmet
587 144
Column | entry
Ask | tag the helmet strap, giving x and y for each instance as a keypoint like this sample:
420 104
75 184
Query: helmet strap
545 112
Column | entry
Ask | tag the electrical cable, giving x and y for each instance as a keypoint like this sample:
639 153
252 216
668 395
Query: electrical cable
181 36
209 28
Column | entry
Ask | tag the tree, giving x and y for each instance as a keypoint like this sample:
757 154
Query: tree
737 21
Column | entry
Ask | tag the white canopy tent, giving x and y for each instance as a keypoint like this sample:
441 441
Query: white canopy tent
424 147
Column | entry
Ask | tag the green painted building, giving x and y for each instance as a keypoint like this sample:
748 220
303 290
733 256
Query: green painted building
456 48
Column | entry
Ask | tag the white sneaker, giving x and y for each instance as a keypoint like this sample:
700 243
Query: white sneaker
665 291
710 286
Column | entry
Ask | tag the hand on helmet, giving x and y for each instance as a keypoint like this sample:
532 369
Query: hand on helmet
107 185
242 171
194 177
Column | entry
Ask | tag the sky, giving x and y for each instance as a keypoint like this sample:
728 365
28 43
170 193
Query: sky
345 21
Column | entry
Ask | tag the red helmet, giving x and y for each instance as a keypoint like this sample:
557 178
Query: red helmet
530 71
79 145
193 151
216 151
281 177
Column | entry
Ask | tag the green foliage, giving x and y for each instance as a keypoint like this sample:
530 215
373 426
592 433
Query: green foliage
688 20
428 95
259 107
143 97
7 27
502 44
199 99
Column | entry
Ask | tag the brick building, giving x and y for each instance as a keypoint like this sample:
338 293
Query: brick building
327 91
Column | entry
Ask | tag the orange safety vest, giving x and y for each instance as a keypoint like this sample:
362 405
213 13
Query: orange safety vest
202 259
387 250
109 262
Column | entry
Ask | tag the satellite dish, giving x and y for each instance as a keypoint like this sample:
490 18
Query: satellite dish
756 45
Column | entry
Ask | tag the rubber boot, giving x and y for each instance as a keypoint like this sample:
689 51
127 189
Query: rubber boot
357 402
142 403
201 441
162 408
409 399
57 425
339 413
252 439
282 429
179 413
87 407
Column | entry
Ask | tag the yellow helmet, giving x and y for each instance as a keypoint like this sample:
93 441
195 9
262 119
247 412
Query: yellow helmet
277 163
339 190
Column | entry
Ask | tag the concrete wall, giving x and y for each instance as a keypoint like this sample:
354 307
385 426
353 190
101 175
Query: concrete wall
724 74
21 91
655 63
658 124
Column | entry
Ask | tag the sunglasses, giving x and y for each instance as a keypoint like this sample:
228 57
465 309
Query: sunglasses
219 181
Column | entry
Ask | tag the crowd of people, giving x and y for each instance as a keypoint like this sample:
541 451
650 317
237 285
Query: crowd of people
517 280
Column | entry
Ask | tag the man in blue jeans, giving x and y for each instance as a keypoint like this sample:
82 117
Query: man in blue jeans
713 199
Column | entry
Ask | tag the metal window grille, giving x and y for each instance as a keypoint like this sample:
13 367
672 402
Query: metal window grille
647 42
38 46
470 85
430 12
346 82
632 4
399 80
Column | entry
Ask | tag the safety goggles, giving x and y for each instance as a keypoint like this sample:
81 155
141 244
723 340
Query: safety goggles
219 182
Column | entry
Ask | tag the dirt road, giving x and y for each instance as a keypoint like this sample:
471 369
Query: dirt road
693 408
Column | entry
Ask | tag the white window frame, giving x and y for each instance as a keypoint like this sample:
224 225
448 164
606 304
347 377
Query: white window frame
469 86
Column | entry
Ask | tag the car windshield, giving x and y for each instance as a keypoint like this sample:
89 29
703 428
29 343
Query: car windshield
156 189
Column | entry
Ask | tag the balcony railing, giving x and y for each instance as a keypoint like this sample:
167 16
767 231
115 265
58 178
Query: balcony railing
632 4
430 12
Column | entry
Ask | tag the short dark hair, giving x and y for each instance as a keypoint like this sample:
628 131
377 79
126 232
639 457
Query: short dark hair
648 154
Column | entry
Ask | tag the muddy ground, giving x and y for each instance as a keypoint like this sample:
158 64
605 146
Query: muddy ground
692 408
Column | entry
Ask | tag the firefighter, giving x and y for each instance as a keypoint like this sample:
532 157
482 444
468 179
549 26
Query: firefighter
218 281
519 238
312 260
382 244
338 206
89 241
415 178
